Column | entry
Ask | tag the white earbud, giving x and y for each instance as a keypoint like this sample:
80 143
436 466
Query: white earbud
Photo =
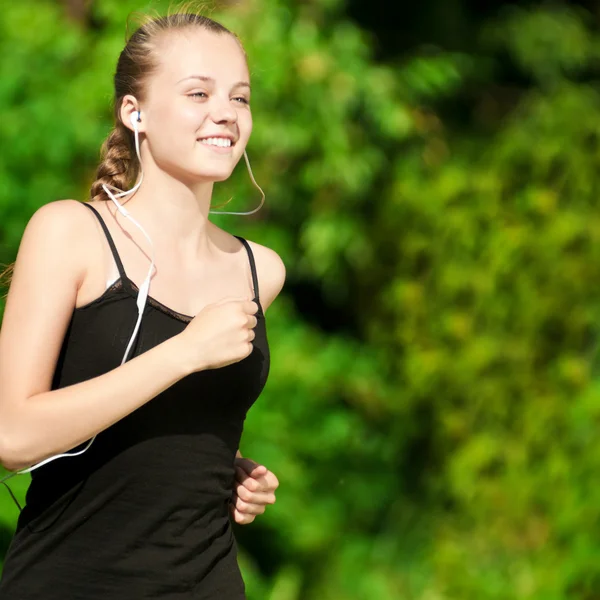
135 118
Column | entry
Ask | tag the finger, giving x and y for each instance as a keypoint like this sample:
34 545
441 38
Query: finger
257 485
256 493
244 479
240 518
251 483
252 469
250 307
272 481
262 498
264 477
252 321
248 508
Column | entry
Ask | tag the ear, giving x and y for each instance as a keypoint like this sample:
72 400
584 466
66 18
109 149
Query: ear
129 108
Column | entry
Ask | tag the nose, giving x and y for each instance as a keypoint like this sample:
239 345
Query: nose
222 110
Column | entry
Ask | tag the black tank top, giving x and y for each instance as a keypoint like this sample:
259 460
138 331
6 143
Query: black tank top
144 512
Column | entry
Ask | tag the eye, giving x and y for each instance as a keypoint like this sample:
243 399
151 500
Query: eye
194 94
242 100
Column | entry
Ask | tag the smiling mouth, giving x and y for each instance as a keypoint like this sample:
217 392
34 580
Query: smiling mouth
219 142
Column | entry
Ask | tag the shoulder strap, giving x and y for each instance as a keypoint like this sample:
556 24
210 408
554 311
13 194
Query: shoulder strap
252 265
111 243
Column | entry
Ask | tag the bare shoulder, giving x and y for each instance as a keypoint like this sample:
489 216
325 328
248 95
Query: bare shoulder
59 216
61 222
48 270
271 273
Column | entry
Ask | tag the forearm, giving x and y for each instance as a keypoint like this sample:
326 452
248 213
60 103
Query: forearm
56 421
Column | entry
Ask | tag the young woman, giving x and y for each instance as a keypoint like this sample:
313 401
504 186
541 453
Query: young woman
159 380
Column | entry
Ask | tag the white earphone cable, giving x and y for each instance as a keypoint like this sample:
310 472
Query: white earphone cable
242 214
141 297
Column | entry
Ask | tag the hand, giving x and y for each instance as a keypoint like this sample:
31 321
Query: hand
219 335
254 488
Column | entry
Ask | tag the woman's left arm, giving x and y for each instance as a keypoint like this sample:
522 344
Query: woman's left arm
255 485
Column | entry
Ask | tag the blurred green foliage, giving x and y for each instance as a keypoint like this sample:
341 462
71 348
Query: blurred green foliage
432 405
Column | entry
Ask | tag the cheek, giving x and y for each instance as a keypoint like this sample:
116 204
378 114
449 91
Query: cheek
180 113
191 116
245 124
175 129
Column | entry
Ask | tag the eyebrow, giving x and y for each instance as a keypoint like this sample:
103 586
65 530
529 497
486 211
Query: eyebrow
211 80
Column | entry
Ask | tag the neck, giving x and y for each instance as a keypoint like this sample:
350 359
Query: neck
174 214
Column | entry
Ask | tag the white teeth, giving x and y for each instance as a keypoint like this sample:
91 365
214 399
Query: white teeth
215 141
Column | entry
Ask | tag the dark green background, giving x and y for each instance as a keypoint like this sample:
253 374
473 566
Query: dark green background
431 177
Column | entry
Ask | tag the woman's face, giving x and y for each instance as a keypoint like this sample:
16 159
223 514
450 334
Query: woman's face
196 113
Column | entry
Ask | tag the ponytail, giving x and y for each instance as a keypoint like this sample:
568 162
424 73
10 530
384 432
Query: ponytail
119 165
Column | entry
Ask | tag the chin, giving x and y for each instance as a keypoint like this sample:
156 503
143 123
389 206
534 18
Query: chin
205 175
215 175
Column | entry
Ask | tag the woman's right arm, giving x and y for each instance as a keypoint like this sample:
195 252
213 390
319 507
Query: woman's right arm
36 423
